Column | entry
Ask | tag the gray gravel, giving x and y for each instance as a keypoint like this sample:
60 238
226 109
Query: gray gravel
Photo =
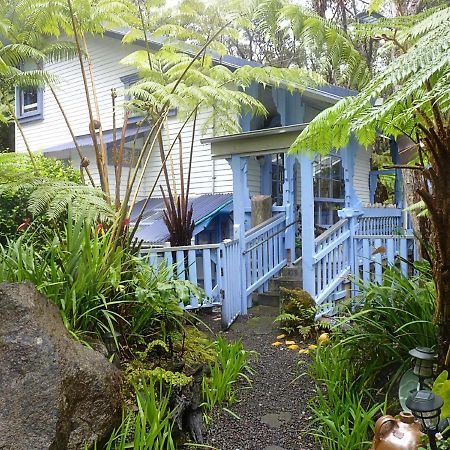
274 413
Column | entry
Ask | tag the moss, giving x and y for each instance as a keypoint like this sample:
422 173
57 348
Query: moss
298 312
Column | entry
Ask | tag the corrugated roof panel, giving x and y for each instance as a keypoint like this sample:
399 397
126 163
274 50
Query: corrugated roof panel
153 230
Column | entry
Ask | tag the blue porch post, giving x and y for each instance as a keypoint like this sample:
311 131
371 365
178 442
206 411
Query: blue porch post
289 205
241 203
398 173
266 175
307 211
353 207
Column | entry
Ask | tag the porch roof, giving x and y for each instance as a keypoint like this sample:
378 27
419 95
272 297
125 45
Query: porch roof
252 143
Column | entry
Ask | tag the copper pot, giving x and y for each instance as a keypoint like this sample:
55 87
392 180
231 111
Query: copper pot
397 434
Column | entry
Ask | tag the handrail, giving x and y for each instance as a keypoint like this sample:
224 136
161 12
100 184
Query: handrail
181 248
330 231
264 224
268 237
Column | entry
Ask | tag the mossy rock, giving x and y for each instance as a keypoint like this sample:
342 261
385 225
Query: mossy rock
294 300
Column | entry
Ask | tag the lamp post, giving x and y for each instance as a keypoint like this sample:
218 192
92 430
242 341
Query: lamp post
424 359
426 408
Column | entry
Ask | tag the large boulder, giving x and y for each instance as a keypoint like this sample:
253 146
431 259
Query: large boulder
54 392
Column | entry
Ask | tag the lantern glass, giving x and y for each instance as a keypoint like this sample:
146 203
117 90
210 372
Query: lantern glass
426 408
424 359
423 368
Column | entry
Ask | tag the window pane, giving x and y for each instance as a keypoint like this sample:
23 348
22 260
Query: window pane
29 100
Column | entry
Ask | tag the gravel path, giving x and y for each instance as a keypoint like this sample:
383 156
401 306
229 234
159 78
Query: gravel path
273 414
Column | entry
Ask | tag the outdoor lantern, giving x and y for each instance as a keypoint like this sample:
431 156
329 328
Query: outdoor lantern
424 359
426 408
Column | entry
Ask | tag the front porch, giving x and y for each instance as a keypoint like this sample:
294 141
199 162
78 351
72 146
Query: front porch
319 223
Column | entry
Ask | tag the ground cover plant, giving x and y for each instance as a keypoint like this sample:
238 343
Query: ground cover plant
357 373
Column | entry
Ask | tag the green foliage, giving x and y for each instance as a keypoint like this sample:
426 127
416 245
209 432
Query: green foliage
390 319
232 364
417 80
343 418
16 172
298 312
75 272
370 350
441 387
150 427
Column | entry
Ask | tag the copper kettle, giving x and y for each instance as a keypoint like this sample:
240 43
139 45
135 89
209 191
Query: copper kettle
397 434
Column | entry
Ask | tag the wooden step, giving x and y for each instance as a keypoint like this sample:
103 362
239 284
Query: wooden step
292 272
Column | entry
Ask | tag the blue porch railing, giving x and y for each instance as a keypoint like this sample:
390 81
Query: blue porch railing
231 271
264 253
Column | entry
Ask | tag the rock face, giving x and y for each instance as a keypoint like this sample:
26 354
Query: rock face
54 393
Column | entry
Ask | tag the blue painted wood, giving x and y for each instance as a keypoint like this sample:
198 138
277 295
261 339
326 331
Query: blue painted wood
390 252
378 243
207 272
307 214
289 204
404 256
245 119
181 272
241 195
348 163
266 175
192 268
366 260
398 173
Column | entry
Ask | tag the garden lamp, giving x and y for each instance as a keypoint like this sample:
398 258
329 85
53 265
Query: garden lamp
426 408
424 359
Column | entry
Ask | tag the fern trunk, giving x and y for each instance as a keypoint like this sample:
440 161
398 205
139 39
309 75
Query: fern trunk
437 200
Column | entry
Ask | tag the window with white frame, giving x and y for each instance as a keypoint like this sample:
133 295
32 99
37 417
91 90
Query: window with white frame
29 100
329 189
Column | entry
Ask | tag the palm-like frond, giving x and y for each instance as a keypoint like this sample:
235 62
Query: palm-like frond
411 86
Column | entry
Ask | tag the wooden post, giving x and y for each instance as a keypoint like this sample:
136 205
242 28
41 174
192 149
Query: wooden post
289 204
241 195
307 211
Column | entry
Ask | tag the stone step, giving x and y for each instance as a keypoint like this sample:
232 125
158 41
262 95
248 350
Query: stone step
266 299
292 272
288 283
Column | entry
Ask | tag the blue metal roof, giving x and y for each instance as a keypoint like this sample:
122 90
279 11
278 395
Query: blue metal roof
152 228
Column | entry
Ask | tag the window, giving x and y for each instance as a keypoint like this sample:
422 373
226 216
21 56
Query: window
130 156
329 189
29 100
277 178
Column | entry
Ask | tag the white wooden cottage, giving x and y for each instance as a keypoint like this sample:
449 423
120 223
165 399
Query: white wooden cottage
331 193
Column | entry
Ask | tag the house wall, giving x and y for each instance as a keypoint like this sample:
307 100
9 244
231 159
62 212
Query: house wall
207 176
361 176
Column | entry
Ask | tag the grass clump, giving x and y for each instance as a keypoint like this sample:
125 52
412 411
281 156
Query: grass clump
356 374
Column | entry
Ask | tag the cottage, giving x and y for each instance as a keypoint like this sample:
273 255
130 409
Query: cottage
319 216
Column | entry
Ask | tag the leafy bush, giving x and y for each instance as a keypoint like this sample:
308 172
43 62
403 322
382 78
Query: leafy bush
16 170
98 290
371 340
298 312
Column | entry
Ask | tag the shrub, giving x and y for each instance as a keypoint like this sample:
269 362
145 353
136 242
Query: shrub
371 340
16 169
298 312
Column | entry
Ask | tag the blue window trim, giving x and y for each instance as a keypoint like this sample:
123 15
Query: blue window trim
32 115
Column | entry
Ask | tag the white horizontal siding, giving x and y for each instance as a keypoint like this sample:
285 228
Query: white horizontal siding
361 175
254 176
206 176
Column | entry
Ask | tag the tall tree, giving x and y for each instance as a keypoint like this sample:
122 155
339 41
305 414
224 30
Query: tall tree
415 88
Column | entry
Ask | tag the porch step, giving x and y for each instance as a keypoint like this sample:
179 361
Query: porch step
289 283
292 272
266 299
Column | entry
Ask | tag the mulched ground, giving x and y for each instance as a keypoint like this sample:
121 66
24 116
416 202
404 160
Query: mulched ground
274 413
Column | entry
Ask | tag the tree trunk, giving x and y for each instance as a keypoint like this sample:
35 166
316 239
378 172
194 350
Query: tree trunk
437 200
412 183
